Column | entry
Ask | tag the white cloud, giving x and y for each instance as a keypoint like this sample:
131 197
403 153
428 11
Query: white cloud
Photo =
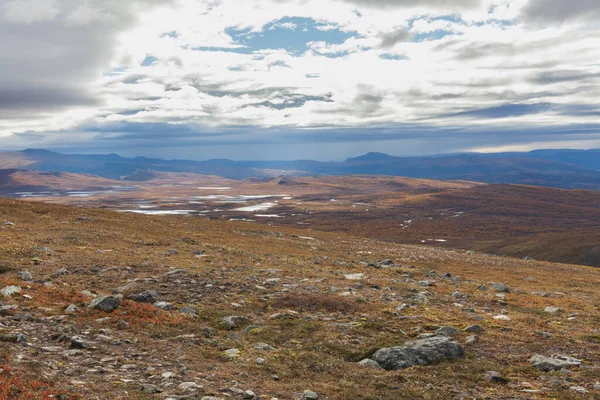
477 65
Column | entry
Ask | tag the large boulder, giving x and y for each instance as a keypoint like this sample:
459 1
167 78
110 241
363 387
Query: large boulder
106 303
554 363
419 352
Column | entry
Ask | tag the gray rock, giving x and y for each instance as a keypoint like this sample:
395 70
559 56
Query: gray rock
189 386
483 288
354 277
554 363
474 329
78 343
189 311
426 283
72 309
596 386
232 353
171 253
211 398
106 303
26 276
150 389
579 389
447 331
234 321
248 395
310 395
263 347
551 310
164 305
495 377
10 291
60 272
13 338
149 296
419 352
500 287
370 363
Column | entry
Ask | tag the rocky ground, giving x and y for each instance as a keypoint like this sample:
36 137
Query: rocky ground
102 305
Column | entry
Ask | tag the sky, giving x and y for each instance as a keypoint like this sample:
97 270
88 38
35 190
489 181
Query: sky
298 79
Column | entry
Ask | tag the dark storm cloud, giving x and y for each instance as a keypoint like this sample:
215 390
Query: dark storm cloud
59 54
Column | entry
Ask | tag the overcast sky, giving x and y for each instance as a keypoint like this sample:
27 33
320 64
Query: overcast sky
287 79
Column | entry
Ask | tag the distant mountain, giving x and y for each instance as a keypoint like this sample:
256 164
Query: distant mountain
553 168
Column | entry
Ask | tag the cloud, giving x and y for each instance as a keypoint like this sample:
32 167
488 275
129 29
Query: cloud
77 73
391 39
561 10
451 4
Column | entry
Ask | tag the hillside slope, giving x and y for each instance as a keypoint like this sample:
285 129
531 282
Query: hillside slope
306 315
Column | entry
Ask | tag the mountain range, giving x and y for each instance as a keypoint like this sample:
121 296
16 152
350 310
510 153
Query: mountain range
568 169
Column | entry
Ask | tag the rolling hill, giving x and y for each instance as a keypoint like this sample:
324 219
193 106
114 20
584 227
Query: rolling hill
553 168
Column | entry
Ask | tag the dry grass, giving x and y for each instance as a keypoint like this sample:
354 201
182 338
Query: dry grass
321 334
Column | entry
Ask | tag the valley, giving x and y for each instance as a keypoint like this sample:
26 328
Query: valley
507 220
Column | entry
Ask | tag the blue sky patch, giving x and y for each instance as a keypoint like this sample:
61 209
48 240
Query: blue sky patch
291 34
390 56
148 61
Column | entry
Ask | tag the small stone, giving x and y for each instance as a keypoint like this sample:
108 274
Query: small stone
78 343
248 395
149 296
596 386
494 377
150 389
551 310
164 305
72 309
501 318
426 283
122 325
211 398
370 363
260 361
579 389
447 331
13 338
232 353
554 363
233 321
106 303
310 395
171 252
474 329
26 276
354 277
189 386
10 291
500 287
189 311
263 347
167 375
483 288
472 340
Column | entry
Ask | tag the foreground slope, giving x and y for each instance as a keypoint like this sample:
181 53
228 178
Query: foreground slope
305 325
